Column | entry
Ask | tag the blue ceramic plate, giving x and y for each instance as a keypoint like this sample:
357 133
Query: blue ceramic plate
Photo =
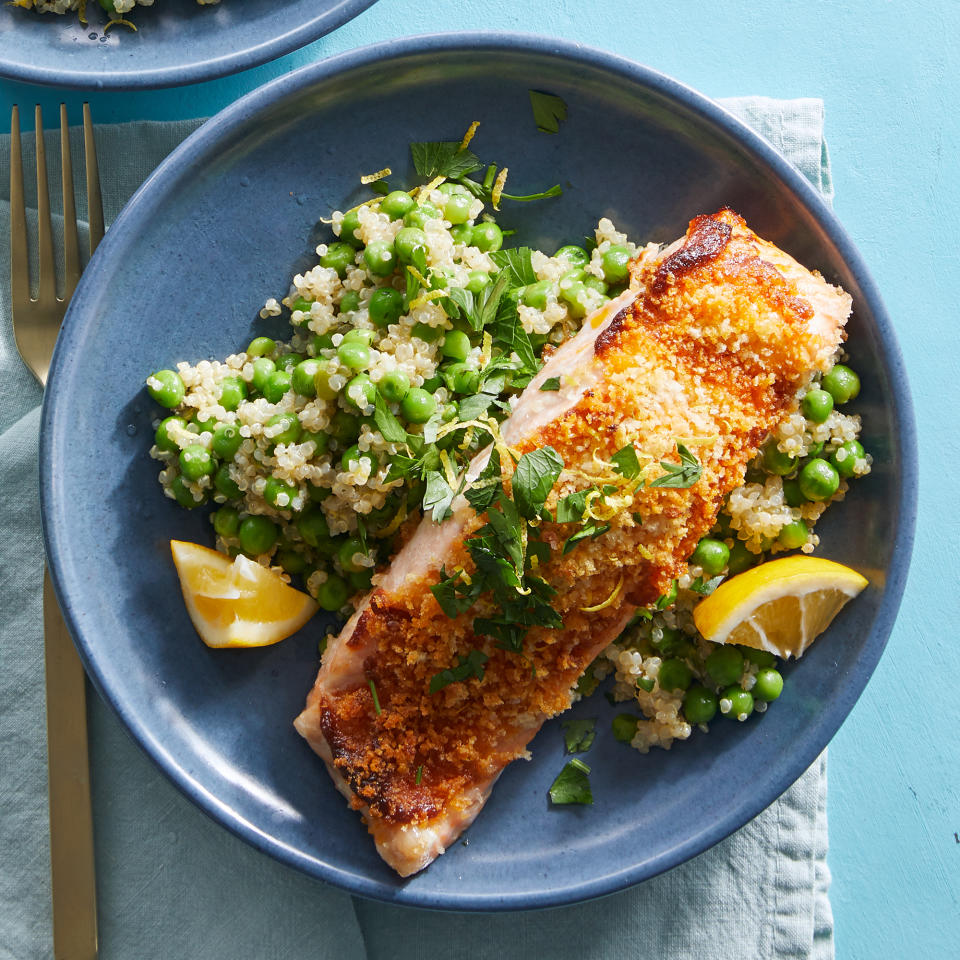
177 41
220 227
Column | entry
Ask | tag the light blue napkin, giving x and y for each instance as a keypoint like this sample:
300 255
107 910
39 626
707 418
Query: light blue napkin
174 886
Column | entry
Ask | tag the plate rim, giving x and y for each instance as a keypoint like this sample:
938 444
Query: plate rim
220 127
197 71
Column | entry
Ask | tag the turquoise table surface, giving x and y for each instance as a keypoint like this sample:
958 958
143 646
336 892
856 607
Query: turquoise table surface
888 73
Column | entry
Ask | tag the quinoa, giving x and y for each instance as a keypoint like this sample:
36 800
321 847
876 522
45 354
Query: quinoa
370 347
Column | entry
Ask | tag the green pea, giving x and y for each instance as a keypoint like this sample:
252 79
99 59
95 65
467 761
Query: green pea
674 675
449 412
333 593
196 462
712 555
844 458
226 521
226 440
293 562
535 294
594 283
461 233
578 298
321 383
257 535
625 727
350 301
302 378
724 666
289 431
457 208
817 405
361 579
183 494
768 685
261 346
418 406
353 454
280 493
819 480
427 333
338 257
319 441
841 383
699 704
344 427
449 188
477 280
776 462
162 437
441 278
224 483
487 236
312 526
166 387
380 258
318 343
262 368
407 242
418 216
792 494
762 658
793 535
360 335
456 345
361 391
573 254
394 385
354 355
278 383
349 227
204 424
740 558
615 264
396 204
347 553
288 361
740 703
669 640
385 306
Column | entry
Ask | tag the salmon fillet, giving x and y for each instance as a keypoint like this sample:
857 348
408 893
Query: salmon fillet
708 348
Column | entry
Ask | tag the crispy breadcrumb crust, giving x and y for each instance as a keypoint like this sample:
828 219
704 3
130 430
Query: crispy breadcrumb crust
710 354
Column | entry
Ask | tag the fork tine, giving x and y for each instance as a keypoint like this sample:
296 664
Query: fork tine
47 287
19 258
71 240
94 200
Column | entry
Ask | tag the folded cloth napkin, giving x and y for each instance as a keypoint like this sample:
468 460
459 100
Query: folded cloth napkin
173 885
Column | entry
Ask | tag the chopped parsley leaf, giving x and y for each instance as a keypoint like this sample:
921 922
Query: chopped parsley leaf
707 587
376 699
579 734
472 665
549 111
682 475
551 383
443 158
572 784
533 480
625 462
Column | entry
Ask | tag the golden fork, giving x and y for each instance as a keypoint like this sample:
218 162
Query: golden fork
35 325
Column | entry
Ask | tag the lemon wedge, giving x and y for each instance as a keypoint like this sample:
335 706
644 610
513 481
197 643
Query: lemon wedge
781 606
237 603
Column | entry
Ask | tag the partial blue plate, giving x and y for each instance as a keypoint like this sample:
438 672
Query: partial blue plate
220 227
176 42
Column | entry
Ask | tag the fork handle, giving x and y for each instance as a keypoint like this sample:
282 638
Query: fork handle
71 820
